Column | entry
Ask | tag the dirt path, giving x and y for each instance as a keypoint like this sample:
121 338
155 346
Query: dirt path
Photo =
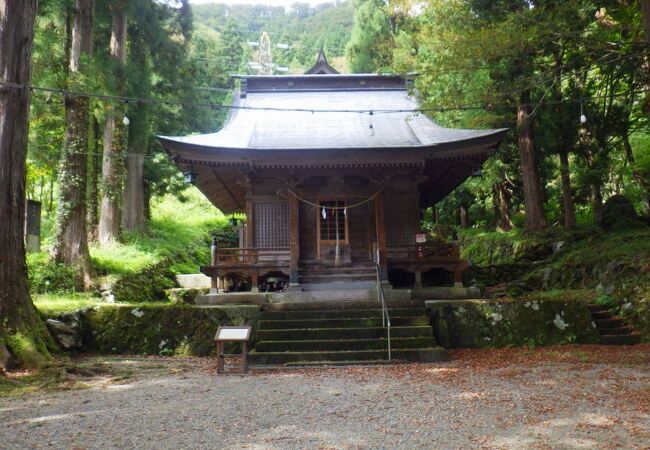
561 397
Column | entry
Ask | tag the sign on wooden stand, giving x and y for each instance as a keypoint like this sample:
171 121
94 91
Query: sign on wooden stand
232 334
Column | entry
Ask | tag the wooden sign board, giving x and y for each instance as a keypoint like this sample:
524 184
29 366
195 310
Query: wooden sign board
233 334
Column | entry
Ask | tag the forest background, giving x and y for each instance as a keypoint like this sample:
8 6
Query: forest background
569 79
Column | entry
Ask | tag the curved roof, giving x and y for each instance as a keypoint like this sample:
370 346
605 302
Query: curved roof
282 129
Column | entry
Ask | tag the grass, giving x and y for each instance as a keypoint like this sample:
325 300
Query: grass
589 295
627 246
54 304
179 230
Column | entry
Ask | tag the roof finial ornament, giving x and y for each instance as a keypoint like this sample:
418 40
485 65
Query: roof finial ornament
321 67
321 55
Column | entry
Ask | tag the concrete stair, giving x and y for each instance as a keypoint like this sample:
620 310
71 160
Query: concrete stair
341 333
613 330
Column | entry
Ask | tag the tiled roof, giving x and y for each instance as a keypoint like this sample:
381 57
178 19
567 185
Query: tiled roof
285 130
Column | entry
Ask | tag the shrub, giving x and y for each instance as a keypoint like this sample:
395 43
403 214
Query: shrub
44 275
619 214
147 285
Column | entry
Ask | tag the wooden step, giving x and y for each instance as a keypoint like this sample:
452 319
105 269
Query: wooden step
601 315
618 330
594 307
620 339
612 322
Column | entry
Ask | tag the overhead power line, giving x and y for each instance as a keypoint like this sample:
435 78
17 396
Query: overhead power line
138 100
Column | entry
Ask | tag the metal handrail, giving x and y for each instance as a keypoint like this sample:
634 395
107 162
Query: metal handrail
385 318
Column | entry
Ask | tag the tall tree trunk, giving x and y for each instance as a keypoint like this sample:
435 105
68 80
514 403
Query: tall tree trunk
133 217
501 199
596 201
22 333
567 192
645 18
114 137
93 182
71 240
530 175
642 181
463 212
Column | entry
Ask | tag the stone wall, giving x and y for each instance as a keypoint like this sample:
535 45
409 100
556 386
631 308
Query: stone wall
491 323
151 329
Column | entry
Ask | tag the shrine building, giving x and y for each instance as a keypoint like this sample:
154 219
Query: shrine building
333 172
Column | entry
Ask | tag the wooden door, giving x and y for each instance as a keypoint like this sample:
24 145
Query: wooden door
307 226
358 225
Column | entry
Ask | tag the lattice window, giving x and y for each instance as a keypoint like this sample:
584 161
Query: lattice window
332 220
271 225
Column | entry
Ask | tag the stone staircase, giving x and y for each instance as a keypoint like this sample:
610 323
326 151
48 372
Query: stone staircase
613 330
341 333
315 277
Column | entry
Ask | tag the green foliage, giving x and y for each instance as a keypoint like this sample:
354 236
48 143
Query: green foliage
44 275
146 285
371 45
51 304
303 28
180 231
619 213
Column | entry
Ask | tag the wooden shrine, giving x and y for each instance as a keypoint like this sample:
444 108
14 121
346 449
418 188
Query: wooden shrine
332 171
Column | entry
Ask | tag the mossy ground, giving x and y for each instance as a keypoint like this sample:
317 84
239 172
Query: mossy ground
591 265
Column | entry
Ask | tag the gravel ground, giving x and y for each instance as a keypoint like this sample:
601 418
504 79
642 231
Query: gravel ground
481 399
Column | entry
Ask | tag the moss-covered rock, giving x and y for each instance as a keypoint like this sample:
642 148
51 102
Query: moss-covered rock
479 323
161 329
186 296
619 214
147 285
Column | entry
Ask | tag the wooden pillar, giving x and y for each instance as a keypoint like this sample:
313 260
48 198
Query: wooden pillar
250 225
418 279
250 236
381 235
254 281
294 240
214 260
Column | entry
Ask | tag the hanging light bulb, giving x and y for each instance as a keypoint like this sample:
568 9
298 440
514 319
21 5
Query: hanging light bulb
324 214
583 118
126 121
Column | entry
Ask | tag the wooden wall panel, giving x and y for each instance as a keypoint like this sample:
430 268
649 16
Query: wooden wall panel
271 221
402 217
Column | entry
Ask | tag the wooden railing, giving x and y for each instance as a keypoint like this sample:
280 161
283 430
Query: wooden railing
245 256
425 252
